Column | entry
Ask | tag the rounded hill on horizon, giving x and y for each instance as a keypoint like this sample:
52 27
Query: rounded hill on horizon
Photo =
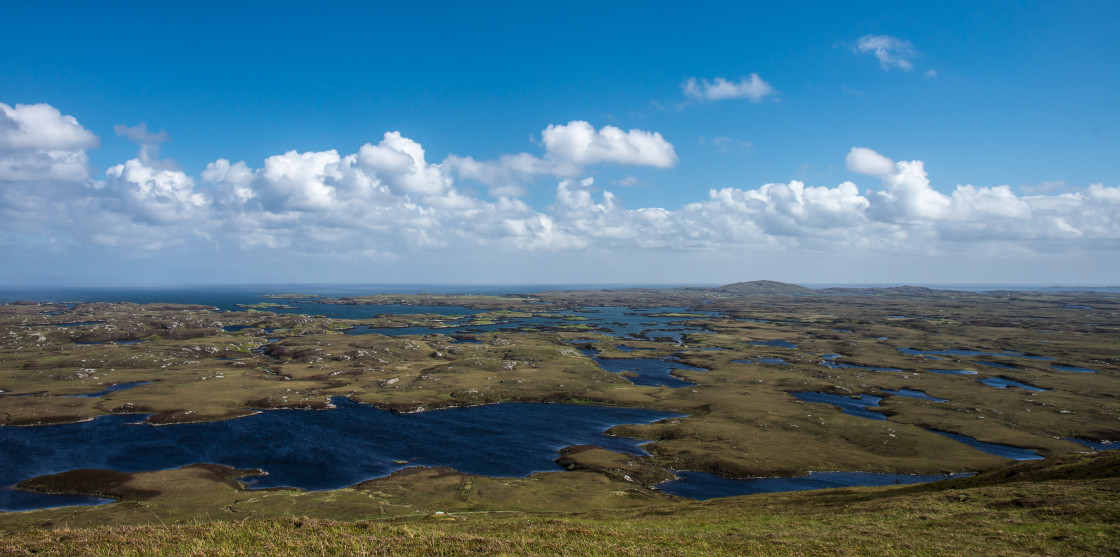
763 287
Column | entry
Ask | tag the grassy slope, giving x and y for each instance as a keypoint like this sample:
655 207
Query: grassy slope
1064 506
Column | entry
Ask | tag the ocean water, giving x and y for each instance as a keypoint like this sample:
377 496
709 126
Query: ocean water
226 297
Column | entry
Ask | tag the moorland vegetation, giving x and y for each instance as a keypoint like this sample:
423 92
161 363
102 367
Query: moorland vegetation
748 348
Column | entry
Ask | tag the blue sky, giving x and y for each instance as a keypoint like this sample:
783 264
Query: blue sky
947 142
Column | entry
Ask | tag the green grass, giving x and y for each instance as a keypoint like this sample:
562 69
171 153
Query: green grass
990 515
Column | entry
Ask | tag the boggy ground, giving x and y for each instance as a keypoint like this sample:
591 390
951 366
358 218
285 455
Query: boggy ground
742 420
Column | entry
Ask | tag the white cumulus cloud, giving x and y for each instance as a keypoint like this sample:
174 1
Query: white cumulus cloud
300 181
569 149
867 161
38 143
753 88
578 144
399 162
42 127
908 196
152 195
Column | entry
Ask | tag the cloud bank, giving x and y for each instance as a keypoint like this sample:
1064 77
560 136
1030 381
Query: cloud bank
387 201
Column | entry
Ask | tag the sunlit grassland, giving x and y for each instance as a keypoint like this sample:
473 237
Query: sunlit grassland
1052 510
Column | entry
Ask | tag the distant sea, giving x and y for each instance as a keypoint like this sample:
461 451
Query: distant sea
226 297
